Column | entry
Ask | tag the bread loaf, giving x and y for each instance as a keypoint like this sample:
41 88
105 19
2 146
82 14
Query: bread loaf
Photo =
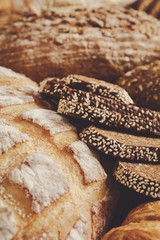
38 6
150 6
124 146
142 178
141 223
52 185
143 85
102 43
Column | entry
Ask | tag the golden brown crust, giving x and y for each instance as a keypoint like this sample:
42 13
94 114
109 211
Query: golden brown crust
123 39
142 223
42 185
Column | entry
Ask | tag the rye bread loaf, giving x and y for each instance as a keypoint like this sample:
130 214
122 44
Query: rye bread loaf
95 93
143 85
122 145
142 178
143 222
52 185
53 87
108 118
102 43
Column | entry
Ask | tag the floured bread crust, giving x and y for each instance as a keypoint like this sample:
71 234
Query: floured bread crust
49 179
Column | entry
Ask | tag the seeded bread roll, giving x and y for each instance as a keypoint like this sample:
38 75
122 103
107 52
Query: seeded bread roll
143 223
142 178
102 43
143 85
122 145
52 184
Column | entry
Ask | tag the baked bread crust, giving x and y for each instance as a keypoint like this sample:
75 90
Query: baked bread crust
142 84
142 223
45 182
82 41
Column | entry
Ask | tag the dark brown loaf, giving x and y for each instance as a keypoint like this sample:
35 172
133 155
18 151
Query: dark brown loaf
53 86
103 43
143 85
142 178
108 118
105 95
143 222
121 145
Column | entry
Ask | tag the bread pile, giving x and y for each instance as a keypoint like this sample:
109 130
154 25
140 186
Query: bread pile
72 145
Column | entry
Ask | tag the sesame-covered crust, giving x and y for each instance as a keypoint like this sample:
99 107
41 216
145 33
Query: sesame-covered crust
91 85
143 85
108 118
120 145
56 89
142 178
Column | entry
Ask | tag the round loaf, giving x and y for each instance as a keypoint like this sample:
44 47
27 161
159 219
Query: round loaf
52 184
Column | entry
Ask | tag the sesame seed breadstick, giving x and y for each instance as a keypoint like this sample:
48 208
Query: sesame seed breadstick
122 145
84 92
142 178
108 118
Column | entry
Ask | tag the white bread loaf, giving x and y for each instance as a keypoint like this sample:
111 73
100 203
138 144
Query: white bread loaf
52 185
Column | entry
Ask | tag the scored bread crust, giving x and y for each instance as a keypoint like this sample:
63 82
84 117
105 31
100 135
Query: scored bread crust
45 184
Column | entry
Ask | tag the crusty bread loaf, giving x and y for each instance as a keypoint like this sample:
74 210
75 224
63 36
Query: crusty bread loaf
52 185
38 6
143 85
102 43
142 223
150 6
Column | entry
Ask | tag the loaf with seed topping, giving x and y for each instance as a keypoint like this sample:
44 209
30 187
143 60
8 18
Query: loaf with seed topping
143 85
52 184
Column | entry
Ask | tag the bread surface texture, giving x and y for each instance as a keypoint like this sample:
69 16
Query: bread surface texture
52 184
103 43
141 223
143 85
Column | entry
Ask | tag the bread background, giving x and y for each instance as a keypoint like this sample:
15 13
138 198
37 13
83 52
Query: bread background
84 42
88 203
